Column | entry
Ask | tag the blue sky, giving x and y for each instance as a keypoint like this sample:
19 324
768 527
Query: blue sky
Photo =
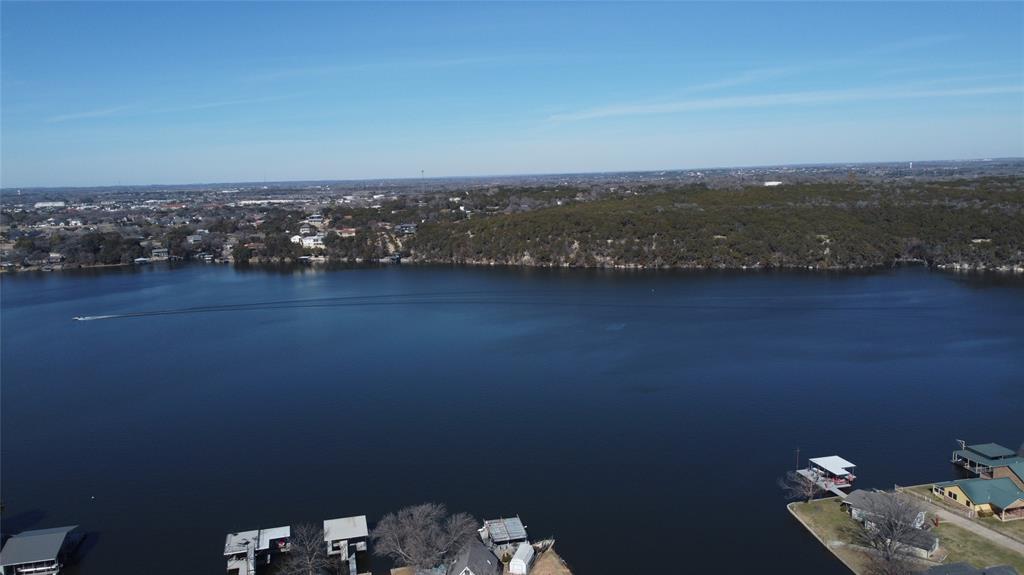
139 93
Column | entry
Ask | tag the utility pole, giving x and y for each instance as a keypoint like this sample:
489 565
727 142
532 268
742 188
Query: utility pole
797 459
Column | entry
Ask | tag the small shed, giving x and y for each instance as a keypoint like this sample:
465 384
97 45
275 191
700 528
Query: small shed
522 560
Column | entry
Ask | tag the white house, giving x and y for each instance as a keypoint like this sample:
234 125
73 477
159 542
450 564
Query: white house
316 241
522 560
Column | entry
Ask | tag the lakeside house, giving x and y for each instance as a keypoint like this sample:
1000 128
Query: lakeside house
39 552
1001 498
867 507
316 241
475 559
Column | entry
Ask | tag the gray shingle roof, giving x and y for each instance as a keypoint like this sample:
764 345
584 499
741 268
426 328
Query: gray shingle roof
477 558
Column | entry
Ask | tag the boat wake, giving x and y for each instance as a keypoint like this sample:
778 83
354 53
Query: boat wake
538 299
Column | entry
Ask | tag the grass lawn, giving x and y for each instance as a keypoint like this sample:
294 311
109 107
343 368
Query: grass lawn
828 521
966 546
1011 528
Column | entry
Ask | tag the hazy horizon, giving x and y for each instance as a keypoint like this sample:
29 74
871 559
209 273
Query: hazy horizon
98 94
518 175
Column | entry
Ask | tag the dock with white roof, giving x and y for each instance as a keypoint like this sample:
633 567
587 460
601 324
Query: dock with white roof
832 473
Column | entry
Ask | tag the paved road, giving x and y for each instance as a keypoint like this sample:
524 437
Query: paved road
980 530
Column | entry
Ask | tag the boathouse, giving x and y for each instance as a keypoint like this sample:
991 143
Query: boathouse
983 459
833 470
345 536
39 552
243 549
504 535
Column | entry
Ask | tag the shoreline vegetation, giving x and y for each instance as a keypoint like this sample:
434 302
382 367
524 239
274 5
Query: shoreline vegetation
959 225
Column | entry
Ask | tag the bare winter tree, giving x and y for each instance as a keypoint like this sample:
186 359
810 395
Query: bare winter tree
308 552
889 524
796 486
422 536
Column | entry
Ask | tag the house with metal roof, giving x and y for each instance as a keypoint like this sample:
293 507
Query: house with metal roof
504 535
1014 472
983 458
38 552
1001 497
475 559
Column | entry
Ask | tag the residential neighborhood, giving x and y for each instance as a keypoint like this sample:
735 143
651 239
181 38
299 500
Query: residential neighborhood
970 525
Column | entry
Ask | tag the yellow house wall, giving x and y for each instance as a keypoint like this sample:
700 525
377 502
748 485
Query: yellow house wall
962 499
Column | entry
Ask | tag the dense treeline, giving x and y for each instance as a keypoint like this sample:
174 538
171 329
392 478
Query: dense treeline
979 223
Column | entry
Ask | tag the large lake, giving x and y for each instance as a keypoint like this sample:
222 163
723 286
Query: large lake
641 419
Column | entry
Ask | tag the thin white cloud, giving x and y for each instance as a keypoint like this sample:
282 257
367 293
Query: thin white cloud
781 99
339 69
138 110
89 114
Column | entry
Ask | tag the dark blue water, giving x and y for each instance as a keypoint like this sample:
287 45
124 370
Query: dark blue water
639 418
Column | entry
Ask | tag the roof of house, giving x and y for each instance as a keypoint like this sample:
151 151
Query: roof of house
477 558
866 500
992 450
918 538
345 528
32 546
833 464
1017 469
1001 492
503 530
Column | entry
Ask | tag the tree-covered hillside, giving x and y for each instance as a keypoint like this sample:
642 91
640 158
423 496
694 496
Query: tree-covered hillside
979 223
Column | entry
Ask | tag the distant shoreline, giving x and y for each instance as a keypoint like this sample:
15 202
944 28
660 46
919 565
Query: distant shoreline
956 268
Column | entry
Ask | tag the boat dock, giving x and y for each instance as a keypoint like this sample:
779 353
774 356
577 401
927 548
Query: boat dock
825 486
832 473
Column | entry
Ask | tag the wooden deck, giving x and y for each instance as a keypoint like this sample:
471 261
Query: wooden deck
830 487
